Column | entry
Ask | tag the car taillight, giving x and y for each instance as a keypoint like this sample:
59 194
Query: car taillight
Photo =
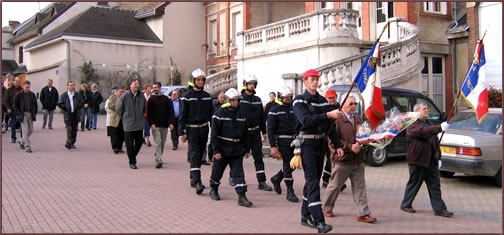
469 151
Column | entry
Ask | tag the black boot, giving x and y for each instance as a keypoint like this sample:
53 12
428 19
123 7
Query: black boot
307 221
231 182
243 201
264 186
291 197
199 188
275 180
323 227
214 194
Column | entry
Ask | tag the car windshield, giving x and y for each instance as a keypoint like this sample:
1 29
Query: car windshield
468 121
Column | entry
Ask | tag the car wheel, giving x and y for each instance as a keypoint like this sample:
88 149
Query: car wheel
446 174
498 178
376 156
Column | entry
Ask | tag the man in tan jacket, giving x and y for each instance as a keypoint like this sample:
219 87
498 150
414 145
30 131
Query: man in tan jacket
348 166
114 122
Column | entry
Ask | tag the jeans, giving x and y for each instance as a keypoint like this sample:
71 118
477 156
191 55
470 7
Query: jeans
85 112
46 113
13 123
94 120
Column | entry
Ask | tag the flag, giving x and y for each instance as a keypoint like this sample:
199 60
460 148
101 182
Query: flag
474 89
368 83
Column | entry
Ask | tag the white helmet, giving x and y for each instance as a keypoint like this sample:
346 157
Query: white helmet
283 92
249 78
198 73
232 93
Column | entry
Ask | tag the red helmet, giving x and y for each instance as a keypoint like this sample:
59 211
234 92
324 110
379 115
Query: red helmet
311 73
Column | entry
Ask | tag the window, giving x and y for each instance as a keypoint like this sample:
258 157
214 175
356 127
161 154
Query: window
20 55
236 26
433 112
212 36
402 103
435 7
384 11
432 84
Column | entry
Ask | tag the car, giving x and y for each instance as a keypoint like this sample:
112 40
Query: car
473 148
166 90
404 100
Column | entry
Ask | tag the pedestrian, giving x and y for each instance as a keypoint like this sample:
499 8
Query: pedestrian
71 103
217 105
423 158
146 132
25 107
270 104
195 113
161 116
281 133
313 123
4 110
176 111
94 105
229 133
85 110
114 123
350 165
251 107
131 108
48 98
8 101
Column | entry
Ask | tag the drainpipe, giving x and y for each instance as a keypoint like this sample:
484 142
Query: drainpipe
68 60
268 12
454 67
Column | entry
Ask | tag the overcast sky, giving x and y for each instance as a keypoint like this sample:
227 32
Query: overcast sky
20 11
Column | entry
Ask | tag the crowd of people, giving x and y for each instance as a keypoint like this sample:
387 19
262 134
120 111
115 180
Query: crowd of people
235 127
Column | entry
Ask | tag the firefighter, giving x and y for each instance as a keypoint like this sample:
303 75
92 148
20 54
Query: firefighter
195 113
313 123
252 108
228 137
281 132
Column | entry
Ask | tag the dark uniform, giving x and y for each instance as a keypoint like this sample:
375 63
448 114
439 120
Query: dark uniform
327 168
312 124
195 113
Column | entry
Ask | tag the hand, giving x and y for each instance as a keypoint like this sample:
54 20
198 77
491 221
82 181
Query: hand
9 111
265 138
171 127
274 152
356 148
153 127
445 126
183 139
85 106
217 156
335 114
340 152
247 155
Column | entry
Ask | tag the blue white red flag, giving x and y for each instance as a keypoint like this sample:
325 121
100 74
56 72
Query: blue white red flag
474 90
368 82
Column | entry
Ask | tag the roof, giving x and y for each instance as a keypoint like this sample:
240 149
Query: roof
98 22
144 9
9 66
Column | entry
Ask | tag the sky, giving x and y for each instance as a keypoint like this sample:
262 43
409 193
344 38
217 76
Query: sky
20 11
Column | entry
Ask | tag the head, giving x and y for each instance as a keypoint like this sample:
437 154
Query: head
134 85
122 90
331 96
310 80
17 82
94 87
233 98
175 94
350 105
220 97
250 83
147 89
156 87
285 95
83 87
71 86
423 109
49 82
27 85
272 96
199 78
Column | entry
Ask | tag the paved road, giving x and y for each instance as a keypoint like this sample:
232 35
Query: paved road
91 189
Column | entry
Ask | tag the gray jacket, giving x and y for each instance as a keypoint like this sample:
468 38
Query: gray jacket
131 110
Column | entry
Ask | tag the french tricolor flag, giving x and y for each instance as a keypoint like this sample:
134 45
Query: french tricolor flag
368 82
474 90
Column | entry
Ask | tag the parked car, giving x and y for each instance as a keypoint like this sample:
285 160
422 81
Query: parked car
473 148
393 97
166 90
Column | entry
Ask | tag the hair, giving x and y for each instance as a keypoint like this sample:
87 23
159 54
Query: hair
272 93
157 84
10 83
418 106
27 82
68 83
146 85
177 90
49 80
84 85
222 92
94 85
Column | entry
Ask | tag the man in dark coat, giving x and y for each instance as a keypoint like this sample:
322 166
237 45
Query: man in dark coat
94 105
8 101
71 102
423 158
25 107
49 98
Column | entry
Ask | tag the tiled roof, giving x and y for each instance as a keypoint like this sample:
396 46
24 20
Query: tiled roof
140 7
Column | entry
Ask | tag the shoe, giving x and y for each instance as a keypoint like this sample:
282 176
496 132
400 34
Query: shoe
366 219
275 180
13 141
21 145
324 184
408 209
159 165
174 148
199 188
149 144
50 128
263 186
291 197
43 127
28 150
243 201
343 187
328 213
94 128
205 163
444 213
82 129
121 151
214 194
68 146
73 146
307 221
323 227
133 166
231 182
88 128
116 151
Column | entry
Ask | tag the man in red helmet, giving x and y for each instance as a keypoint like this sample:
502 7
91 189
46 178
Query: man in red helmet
313 122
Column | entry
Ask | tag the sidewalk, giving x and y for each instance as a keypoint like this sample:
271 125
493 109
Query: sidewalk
92 190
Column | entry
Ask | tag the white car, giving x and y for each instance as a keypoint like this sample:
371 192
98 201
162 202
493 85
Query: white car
472 148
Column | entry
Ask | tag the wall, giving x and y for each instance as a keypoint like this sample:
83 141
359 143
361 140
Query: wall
490 20
156 25
285 10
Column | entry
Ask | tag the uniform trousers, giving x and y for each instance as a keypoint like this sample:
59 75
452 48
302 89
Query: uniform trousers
312 155
286 172
236 165
197 138
255 143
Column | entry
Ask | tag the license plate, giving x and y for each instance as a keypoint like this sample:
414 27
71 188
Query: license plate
446 149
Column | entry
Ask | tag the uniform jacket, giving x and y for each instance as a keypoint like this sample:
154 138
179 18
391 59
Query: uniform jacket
131 109
64 104
49 99
195 109
310 111
19 106
281 121
268 107
252 108
422 143
114 118
347 132
8 99
95 101
229 124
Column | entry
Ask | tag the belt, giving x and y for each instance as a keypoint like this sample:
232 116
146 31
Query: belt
312 136
229 139
253 128
196 126
286 136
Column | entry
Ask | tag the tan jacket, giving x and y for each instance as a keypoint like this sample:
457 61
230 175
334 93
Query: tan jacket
113 118
347 133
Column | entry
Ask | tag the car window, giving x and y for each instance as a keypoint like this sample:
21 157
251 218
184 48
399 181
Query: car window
433 112
468 121
386 104
401 102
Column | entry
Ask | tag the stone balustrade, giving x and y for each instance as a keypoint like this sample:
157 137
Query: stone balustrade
221 81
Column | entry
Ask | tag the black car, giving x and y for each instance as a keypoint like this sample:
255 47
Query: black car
404 100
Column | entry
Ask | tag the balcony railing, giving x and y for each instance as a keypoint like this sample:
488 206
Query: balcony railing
221 81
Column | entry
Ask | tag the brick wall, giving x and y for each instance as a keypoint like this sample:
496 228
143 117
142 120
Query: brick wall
472 21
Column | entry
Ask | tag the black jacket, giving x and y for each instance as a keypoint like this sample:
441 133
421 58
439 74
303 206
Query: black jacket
281 121
86 97
95 101
251 107
8 98
64 104
19 105
49 99
229 124
195 109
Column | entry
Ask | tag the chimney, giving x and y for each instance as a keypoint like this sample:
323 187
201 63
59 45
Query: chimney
13 24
